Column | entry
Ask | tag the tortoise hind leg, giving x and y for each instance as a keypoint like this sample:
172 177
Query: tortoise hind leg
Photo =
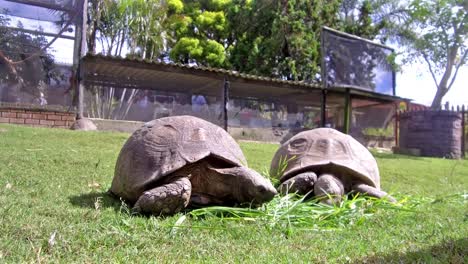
302 183
169 198
372 191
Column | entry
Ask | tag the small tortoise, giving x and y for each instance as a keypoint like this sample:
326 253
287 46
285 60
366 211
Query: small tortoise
174 162
341 163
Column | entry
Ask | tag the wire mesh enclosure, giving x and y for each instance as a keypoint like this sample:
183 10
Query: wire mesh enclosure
350 61
248 106
38 51
350 65
40 61
148 104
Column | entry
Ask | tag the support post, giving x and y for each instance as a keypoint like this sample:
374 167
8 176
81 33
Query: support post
323 72
79 51
347 112
323 108
226 87
80 98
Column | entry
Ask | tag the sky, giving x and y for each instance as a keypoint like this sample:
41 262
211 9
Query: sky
415 82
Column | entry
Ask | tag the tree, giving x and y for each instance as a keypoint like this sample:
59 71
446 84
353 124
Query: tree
436 32
200 31
282 38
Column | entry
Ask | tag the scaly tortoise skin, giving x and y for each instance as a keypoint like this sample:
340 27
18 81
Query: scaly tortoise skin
327 163
174 162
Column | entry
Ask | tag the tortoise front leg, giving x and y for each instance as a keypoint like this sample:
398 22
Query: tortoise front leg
371 191
329 189
169 198
302 183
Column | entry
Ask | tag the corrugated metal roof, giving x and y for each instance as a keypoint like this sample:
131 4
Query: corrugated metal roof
194 69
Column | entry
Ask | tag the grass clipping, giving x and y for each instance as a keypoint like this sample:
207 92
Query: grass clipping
291 212
294 212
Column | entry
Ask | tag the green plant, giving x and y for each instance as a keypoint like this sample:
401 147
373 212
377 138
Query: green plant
379 132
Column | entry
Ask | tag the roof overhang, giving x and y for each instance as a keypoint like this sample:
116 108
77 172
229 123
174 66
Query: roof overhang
108 71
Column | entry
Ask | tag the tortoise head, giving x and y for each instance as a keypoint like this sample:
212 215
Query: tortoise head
248 186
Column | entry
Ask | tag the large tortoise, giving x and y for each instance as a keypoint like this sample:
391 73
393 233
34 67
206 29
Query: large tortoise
327 163
173 162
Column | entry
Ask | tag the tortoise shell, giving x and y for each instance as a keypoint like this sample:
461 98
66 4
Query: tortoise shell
325 148
165 145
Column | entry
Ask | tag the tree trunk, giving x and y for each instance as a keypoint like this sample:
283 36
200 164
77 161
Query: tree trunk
442 87
437 102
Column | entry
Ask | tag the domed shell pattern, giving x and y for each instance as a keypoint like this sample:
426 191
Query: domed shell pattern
326 147
165 145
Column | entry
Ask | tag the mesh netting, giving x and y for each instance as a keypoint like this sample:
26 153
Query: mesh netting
373 123
357 63
145 105
30 72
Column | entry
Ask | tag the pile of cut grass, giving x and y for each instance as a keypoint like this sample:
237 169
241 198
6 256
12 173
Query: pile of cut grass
54 208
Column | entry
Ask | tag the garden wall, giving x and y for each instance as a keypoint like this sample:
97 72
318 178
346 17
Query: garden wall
433 133
37 117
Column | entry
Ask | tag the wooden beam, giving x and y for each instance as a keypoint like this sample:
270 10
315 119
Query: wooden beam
42 4
35 32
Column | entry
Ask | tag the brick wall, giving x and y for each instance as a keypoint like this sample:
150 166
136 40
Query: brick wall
434 133
37 117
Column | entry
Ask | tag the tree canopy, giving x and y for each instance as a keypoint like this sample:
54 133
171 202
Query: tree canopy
436 32
274 38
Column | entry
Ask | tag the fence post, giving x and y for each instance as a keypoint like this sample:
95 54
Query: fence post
463 112
397 121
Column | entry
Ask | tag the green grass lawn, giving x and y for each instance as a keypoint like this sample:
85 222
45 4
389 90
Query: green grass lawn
53 208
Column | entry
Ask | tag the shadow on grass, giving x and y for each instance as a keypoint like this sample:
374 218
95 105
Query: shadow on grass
93 199
450 251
